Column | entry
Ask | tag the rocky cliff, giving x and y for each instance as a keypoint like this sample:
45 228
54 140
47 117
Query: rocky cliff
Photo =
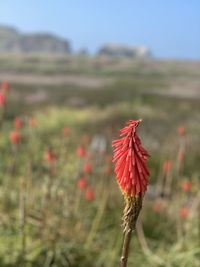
13 41
117 50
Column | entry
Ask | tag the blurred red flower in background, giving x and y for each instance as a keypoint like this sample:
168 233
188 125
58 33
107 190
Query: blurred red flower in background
89 194
131 161
87 168
157 207
167 166
18 123
5 85
15 137
50 156
181 131
82 183
2 99
184 212
186 186
81 151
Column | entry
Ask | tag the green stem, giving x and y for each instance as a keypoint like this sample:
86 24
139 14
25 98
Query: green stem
125 248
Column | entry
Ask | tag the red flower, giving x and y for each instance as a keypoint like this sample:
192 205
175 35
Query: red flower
81 152
131 161
87 168
15 137
186 186
65 131
5 85
2 99
49 156
157 207
82 183
89 194
181 131
18 123
167 165
184 212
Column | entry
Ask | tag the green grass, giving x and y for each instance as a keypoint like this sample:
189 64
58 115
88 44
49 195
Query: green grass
60 225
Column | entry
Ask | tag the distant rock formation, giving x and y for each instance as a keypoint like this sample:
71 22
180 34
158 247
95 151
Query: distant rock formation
12 41
117 50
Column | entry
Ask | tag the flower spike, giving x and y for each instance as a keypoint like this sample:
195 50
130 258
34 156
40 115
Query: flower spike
132 175
130 160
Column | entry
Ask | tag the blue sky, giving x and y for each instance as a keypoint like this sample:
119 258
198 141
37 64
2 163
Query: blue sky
170 28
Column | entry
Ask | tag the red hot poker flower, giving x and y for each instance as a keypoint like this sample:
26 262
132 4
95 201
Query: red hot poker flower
18 123
89 194
2 99
131 161
184 212
5 85
167 165
15 137
82 183
50 156
132 176
157 207
87 168
181 131
81 151
186 186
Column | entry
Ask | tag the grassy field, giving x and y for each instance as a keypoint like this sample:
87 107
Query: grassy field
59 208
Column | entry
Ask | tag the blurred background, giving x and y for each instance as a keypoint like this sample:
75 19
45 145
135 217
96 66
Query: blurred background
71 74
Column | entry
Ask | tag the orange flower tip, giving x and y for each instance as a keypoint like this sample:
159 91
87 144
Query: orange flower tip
130 160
